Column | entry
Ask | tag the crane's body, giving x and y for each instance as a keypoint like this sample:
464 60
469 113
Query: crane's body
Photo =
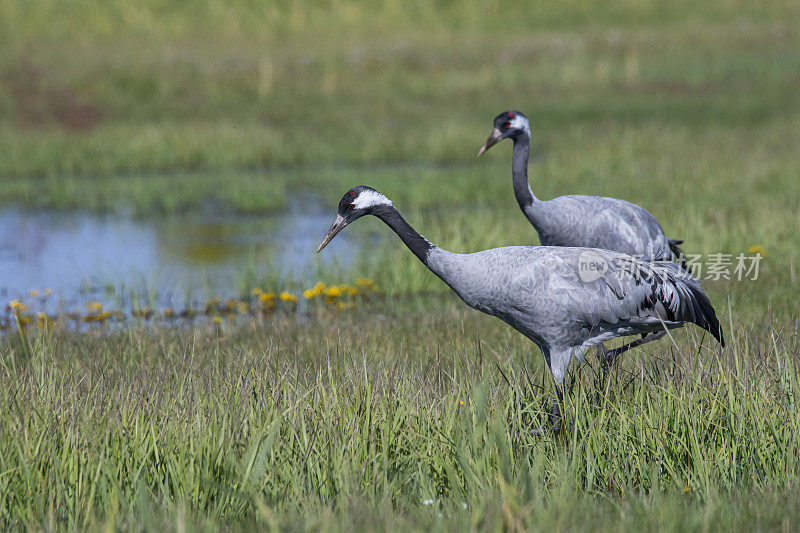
599 222
567 299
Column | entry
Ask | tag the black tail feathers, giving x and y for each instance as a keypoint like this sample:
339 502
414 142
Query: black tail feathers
677 252
705 316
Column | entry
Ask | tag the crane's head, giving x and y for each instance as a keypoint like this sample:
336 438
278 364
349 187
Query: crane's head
357 202
506 124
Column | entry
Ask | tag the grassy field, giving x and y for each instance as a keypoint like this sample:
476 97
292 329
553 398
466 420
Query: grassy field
409 419
330 421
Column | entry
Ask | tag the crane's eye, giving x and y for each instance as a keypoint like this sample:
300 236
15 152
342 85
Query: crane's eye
507 125
351 206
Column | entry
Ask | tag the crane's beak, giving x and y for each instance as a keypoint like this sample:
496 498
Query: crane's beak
493 139
337 226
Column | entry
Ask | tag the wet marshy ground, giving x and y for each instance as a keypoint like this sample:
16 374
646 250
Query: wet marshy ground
90 268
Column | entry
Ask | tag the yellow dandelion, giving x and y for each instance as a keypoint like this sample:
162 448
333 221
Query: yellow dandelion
318 289
758 249
217 319
94 307
266 297
169 312
461 402
34 294
333 292
257 291
17 306
288 297
309 293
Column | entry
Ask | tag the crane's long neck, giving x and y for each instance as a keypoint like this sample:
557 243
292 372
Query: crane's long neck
522 189
448 266
533 209
438 261
415 242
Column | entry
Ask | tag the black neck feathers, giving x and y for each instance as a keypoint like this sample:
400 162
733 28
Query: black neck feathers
522 190
415 242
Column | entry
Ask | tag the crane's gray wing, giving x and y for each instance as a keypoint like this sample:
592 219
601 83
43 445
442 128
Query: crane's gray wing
663 289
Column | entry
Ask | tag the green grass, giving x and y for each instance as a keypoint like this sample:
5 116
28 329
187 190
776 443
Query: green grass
352 420
337 421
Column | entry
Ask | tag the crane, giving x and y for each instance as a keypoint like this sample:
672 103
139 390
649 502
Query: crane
564 299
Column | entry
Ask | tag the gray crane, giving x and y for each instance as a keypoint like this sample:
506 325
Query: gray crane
564 299
578 220
583 221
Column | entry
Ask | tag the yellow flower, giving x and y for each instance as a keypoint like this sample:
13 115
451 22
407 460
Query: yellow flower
257 291
461 402
316 290
686 489
48 292
43 320
267 300
217 319
17 306
333 292
758 249
287 297
34 293
169 312
366 283
94 307
96 317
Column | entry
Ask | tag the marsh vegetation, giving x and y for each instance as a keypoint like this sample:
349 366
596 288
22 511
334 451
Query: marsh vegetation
406 410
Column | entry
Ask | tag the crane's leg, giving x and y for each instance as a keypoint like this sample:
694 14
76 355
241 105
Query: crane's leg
607 357
554 420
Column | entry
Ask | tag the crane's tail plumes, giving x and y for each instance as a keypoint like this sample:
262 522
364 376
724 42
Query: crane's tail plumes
672 293
677 253
683 299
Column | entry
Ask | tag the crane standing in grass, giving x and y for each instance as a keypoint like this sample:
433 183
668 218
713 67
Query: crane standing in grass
583 221
563 299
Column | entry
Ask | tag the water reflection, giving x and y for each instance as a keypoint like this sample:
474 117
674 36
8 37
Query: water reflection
178 258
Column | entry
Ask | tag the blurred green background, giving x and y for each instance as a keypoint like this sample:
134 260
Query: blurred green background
690 109
159 105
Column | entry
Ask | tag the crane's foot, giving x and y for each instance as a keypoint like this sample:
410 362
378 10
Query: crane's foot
607 357
554 423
